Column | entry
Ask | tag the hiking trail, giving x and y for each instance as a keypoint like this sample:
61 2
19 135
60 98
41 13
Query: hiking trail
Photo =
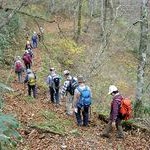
27 111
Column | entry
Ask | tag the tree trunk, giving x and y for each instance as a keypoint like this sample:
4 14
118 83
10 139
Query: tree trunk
79 21
91 7
142 58
52 6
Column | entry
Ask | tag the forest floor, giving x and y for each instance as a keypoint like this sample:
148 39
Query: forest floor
38 117
29 111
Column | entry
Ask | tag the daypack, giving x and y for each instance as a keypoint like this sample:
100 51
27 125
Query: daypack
34 37
18 66
73 84
27 59
56 81
85 97
30 52
126 109
31 79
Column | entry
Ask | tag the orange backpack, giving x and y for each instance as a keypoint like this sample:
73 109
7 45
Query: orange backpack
126 109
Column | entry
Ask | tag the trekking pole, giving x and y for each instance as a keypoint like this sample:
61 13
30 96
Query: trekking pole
90 112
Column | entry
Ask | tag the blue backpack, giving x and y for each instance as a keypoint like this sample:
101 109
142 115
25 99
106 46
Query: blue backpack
85 97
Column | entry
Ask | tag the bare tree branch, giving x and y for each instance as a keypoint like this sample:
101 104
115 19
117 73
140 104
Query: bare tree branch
6 20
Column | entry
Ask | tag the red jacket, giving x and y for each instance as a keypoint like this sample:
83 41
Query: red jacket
27 58
115 106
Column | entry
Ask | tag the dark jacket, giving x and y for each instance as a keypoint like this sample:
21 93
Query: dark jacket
115 106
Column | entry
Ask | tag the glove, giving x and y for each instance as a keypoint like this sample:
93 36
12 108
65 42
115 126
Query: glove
75 110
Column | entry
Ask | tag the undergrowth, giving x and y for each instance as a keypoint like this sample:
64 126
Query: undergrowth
55 124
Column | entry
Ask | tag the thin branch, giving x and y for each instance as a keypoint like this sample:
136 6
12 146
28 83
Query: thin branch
6 20
32 16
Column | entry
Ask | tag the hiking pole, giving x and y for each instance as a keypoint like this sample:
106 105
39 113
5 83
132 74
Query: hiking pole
90 112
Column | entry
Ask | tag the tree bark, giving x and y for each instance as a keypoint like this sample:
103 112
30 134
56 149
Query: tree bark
91 7
79 21
142 58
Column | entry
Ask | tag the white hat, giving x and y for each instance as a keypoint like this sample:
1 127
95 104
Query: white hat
112 88
66 72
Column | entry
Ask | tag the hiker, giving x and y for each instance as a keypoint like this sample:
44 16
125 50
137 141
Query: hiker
35 40
68 90
115 118
82 102
28 45
19 68
41 33
27 60
30 79
53 80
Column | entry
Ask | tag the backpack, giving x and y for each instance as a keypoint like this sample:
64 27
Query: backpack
56 81
72 86
30 52
18 66
31 79
126 109
26 59
85 97
34 37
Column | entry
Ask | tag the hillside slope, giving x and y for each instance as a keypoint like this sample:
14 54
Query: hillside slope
29 113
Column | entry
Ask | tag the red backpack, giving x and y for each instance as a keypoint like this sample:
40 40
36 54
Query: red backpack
18 66
126 109
27 59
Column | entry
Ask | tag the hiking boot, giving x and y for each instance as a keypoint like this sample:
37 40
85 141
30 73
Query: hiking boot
120 136
120 132
105 135
85 125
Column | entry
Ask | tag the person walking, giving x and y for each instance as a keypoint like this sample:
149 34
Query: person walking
28 45
68 90
27 59
82 102
19 68
30 79
53 81
115 117
35 40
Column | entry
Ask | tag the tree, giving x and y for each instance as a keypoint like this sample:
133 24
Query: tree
142 57
9 17
79 20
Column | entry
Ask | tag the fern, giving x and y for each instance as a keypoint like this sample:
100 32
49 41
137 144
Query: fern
9 136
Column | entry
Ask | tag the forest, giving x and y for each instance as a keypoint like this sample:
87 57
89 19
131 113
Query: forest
105 41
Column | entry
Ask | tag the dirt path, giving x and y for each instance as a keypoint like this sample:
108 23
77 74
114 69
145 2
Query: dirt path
27 112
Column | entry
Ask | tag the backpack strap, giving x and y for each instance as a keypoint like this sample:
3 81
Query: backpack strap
80 90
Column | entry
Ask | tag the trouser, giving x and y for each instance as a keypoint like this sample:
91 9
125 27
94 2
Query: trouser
34 43
85 115
19 74
108 128
28 66
69 105
54 95
33 89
